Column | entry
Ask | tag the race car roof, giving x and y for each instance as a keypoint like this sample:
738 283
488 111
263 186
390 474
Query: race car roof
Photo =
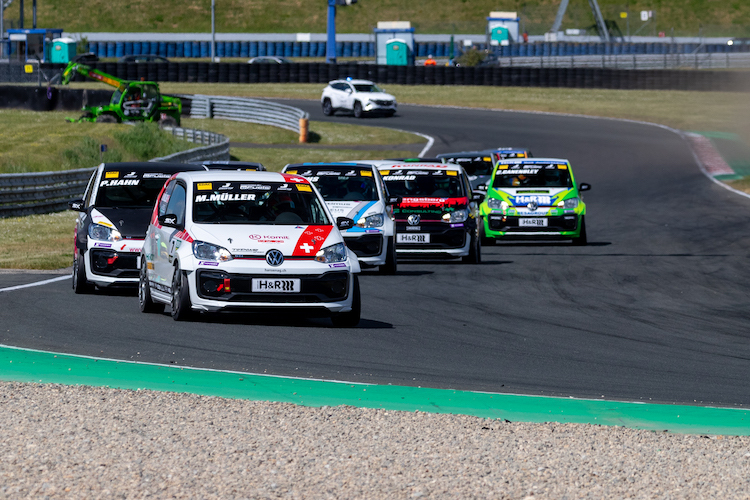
241 176
417 166
153 166
461 154
336 164
352 81
531 161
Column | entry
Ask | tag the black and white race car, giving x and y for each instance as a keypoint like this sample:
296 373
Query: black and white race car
112 221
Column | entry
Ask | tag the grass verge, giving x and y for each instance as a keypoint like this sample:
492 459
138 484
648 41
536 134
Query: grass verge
37 241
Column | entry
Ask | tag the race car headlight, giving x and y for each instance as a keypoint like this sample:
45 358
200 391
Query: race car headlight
207 251
569 203
456 216
371 221
334 253
497 204
100 232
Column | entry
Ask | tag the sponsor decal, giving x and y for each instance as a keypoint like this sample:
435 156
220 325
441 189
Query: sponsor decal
291 172
529 199
131 175
460 224
156 175
205 186
284 187
562 167
208 263
520 171
258 237
225 186
487 158
255 187
275 270
338 264
201 198
366 173
372 231
120 182
294 178
399 178
304 187
183 235
451 172
103 245
111 175
150 265
311 240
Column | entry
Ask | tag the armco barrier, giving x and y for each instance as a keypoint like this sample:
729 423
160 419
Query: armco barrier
576 77
46 192
250 110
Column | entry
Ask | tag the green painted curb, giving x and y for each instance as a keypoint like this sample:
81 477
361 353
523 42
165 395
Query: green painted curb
23 365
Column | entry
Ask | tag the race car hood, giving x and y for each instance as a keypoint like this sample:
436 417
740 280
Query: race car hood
521 197
130 222
257 240
354 209
428 208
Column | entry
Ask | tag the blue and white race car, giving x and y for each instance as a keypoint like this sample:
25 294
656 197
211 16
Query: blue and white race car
247 241
356 191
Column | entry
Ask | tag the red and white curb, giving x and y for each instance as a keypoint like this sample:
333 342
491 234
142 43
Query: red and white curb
708 155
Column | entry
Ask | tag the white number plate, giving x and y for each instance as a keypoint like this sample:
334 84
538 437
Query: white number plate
527 222
413 238
263 285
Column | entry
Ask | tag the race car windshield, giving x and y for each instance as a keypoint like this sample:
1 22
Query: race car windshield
351 184
474 165
256 203
367 87
129 189
533 175
504 155
423 183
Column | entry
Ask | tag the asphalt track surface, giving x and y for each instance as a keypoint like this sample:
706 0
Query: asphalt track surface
655 308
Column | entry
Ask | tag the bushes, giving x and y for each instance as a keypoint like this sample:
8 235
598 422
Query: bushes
145 141
86 155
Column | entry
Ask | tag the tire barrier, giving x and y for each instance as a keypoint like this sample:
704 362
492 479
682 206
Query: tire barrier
247 49
51 98
604 78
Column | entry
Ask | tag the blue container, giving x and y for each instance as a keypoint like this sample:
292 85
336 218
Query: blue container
101 49
262 46
205 49
339 49
162 49
252 49
128 48
187 50
346 49
171 49
119 49
220 52
196 52
270 49
179 49
356 49
280 48
313 50
304 49
288 49
321 49
111 51
235 49
245 49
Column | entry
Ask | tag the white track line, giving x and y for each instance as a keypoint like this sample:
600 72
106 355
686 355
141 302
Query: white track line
37 283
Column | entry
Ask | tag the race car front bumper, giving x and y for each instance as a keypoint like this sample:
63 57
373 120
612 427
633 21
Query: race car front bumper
509 227
444 241
113 265
369 247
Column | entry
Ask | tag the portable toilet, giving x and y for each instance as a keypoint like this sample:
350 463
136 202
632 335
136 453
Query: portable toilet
63 50
394 43
502 28
396 52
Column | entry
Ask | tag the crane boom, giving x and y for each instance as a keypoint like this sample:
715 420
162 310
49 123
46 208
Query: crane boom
93 74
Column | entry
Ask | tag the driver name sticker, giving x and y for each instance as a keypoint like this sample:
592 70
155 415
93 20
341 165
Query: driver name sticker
120 182
202 198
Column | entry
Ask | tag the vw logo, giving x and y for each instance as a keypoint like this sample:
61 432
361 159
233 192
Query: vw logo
274 258
532 206
414 219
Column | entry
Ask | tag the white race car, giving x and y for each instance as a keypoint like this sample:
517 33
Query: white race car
356 191
112 221
226 240
359 97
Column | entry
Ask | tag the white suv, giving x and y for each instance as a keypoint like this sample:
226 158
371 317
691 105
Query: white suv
356 96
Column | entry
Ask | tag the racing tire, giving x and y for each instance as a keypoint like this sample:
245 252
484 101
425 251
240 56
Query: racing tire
350 319
358 110
182 309
390 113
145 301
328 108
80 284
391 262
167 122
483 238
582 240
475 252
106 118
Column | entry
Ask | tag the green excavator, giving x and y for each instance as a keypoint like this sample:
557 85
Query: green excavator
131 101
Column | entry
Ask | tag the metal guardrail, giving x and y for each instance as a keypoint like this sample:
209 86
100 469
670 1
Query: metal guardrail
42 192
699 60
243 109
46 192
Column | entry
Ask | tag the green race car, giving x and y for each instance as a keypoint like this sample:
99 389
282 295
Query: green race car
534 198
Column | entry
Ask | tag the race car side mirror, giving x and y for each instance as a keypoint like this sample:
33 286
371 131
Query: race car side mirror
77 205
394 200
344 223
169 220
584 187
478 196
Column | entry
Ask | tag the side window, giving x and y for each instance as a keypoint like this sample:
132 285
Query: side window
165 198
89 189
177 203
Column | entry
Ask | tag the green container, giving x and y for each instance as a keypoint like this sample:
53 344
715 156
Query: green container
63 50
396 52
500 34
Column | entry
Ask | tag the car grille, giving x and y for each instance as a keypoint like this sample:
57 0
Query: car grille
114 264
365 246
441 237
328 287
380 102
554 224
